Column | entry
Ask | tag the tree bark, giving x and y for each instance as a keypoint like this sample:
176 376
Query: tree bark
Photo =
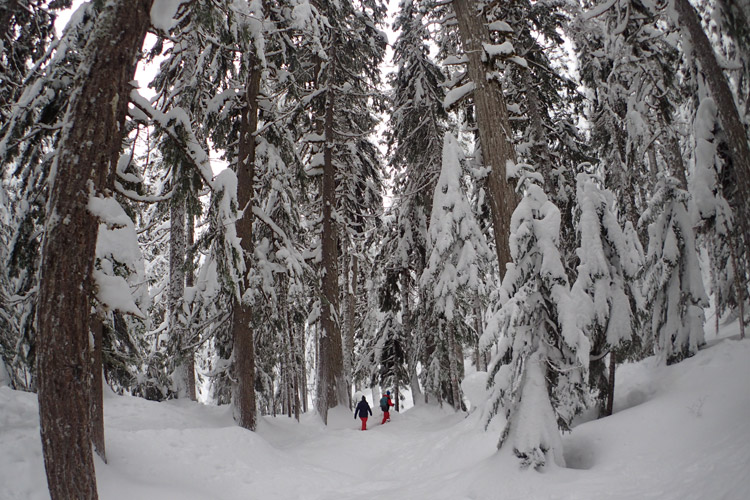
242 333
332 389
85 162
729 116
494 126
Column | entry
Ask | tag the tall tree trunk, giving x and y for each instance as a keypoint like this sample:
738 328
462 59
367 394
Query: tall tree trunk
242 333
729 116
332 390
493 123
86 159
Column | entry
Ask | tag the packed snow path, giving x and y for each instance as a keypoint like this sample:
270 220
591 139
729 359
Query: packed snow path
679 433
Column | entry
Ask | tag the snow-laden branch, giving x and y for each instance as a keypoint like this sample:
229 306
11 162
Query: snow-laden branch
168 122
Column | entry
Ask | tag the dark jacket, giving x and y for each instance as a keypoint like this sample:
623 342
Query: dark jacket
362 410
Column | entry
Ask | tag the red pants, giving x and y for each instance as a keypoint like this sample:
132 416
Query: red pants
386 417
364 423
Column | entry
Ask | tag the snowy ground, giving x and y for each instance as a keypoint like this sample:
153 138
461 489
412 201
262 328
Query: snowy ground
681 432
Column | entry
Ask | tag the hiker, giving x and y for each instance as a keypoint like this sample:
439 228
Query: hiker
385 405
362 410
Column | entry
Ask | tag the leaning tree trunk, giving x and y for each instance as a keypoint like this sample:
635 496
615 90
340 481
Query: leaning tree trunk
85 164
493 124
729 116
242 333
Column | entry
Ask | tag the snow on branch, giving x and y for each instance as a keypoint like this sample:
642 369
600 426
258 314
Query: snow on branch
455 95
169 122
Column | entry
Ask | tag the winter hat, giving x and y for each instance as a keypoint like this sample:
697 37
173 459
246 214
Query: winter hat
388 393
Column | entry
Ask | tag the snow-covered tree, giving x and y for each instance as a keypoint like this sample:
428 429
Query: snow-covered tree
456 250
605 285
672 281
707 187
539 369
415 136
101 90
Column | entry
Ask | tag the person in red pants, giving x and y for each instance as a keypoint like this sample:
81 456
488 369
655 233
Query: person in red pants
385 405
361 411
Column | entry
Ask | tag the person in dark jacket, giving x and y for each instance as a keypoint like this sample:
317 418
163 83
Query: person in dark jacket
362 411
385 405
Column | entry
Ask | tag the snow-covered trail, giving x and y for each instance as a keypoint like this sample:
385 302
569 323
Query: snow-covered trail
679 432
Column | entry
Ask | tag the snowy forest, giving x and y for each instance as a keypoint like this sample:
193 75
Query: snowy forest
282 206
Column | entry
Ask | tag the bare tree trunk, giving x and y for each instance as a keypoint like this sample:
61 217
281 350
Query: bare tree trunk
86 159
332 389
729 116
492 120
242 333
97 388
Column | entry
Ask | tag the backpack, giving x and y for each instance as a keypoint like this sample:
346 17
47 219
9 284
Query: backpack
384 403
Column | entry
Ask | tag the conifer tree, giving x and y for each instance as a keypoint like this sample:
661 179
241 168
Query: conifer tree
415 144
605 286
538 373
672 280
30 131
64 368
738 148
456 248
708 186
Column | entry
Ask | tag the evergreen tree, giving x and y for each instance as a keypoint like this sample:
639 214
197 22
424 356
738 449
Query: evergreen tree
30 132
672 280
707 187
456 249
64 368
605 286
538 373
415 143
